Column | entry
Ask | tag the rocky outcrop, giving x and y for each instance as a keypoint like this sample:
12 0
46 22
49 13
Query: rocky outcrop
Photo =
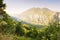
39 16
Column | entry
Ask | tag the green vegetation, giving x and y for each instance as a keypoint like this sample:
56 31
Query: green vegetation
11 30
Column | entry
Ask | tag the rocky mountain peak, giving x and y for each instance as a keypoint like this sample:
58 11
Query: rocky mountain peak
38 16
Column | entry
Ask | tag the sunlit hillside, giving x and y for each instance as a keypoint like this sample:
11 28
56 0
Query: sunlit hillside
39 16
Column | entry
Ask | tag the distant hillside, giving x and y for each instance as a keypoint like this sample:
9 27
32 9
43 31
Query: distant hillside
38 16
15 19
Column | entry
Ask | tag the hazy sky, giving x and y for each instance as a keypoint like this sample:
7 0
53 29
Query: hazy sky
18 6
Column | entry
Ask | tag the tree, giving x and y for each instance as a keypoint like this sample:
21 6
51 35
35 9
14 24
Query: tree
6 22
19 29
2 7
32 33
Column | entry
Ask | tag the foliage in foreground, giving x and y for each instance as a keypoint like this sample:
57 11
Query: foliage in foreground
52 32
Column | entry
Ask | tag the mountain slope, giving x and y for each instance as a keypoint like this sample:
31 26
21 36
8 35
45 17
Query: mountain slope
38 16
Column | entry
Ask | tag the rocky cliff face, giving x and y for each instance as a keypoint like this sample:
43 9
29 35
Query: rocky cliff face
38 16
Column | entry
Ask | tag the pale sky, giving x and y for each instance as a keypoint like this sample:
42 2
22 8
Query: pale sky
18 6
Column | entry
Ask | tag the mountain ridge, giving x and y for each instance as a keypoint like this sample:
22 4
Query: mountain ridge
39 16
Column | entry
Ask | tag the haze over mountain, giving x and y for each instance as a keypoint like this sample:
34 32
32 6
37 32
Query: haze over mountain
38 16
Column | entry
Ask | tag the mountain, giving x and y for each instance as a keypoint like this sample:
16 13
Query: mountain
38 16
15 18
